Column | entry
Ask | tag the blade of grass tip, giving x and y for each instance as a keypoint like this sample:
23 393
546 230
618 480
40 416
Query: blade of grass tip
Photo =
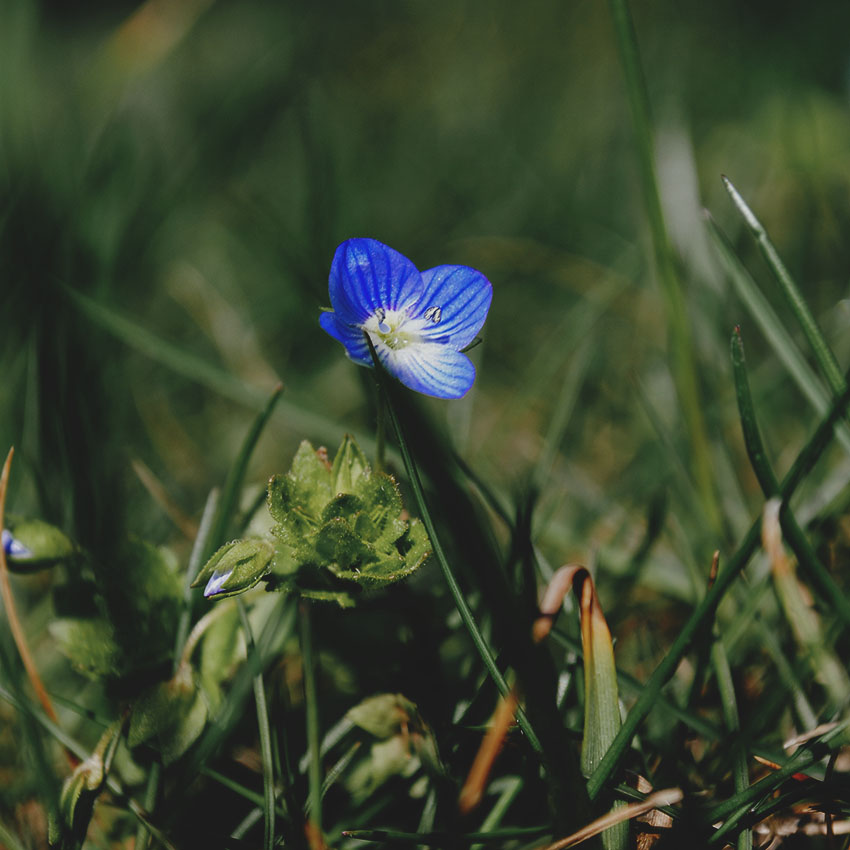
236 476
265 735
314 835
705 610
683 367
832 595
448 574
823 353
781 342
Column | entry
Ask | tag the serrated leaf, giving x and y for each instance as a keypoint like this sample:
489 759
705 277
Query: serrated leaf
384 505
337 544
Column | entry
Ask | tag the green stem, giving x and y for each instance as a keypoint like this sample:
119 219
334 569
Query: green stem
380 434
265 737
683 367
703 613
312 707
448 574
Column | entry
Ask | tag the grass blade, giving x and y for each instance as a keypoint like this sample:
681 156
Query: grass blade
823 353
795 536
780 341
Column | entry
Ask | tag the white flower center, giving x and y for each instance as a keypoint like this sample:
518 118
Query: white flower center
394 328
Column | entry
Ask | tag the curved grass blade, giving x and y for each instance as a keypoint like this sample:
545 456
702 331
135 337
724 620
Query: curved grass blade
781 342
823 353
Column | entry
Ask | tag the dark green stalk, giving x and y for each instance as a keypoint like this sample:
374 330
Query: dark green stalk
683 367
796 538
314 766
704 612
265 735
380 434
448 574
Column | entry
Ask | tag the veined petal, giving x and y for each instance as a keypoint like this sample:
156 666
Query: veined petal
456 300
430 368
349 335
367 275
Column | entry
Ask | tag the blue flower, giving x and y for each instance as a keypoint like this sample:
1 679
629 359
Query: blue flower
418 322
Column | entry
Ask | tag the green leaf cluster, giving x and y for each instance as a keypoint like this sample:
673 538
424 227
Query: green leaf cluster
340 528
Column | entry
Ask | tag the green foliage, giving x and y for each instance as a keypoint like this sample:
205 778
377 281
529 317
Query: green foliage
339 530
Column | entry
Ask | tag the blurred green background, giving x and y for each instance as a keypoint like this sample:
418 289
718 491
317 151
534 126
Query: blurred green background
175 177
190 167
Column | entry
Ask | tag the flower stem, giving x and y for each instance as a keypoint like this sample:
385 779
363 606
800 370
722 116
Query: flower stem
448 574
380 434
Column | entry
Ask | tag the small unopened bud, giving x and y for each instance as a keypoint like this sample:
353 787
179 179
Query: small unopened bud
236 567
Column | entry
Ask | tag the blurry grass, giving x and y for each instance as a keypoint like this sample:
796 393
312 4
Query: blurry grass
166 226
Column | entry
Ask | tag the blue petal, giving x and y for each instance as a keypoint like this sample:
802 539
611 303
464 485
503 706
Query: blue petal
367 275
430 368
350 336
216 580
463 297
